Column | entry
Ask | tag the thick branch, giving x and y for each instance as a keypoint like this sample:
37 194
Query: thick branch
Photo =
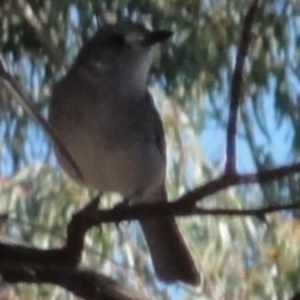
83 283
58 266
68 255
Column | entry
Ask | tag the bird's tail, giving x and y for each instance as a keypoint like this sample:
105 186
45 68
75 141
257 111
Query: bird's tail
171 258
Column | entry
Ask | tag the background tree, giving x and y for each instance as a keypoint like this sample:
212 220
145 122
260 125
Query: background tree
240 257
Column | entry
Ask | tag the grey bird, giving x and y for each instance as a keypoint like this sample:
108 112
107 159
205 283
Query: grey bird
107 120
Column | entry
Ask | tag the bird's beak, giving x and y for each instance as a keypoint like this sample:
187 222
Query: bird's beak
157 36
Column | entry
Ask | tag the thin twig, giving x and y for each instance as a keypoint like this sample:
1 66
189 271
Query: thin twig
151 210
25 102
227 181
236 87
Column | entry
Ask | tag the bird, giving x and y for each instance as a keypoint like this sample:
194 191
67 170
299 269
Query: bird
105 116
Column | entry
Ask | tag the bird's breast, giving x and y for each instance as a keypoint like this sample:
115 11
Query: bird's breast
112 145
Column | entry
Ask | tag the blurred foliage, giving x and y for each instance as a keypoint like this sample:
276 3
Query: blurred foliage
241 258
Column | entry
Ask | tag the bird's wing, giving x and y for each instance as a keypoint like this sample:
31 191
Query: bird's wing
157 127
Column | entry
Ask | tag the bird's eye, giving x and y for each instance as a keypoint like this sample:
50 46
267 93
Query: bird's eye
118 40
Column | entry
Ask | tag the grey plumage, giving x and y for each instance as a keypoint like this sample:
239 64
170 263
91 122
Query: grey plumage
105 116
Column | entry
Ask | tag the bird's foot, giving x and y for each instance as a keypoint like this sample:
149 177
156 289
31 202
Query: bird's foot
121 206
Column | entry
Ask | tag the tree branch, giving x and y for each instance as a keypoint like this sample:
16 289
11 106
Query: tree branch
227 181
185 206
83 283
27 105
236 86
